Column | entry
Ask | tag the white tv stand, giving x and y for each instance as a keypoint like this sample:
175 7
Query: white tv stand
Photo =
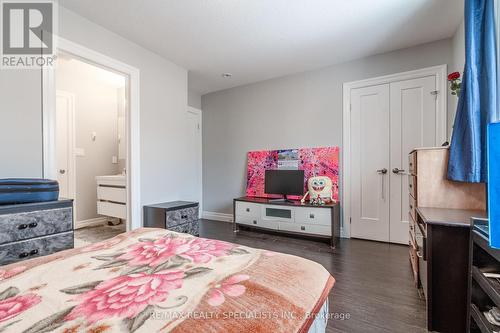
288 217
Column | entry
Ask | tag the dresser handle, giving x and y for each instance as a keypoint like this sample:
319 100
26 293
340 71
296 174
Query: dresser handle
248 209
22 226
254 222
302 228
33 252
24 255
311 216
184 217
33 224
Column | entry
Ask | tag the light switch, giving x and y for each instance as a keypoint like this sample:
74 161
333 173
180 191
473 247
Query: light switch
79 152
114 159
94 136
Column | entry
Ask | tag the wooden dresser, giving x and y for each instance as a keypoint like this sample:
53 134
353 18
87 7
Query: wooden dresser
35 229
440 213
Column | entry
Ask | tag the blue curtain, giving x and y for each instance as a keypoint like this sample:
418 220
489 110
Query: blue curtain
477 105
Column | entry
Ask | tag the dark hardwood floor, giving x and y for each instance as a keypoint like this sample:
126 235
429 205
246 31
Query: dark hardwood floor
374 285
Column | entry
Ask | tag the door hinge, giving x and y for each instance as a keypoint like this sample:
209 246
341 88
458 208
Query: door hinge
350 220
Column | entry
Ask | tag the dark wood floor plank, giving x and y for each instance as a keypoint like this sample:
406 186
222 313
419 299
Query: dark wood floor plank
373 280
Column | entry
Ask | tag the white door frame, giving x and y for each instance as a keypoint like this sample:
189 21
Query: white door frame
441 125
134 216
200 190
71 145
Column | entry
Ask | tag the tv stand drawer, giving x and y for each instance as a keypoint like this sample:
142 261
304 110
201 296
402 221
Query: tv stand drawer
306 228
314 216
256 222
248 209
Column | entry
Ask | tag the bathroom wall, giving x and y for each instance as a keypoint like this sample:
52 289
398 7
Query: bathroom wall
96 112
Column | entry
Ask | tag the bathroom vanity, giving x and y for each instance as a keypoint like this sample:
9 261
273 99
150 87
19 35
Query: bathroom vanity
112 196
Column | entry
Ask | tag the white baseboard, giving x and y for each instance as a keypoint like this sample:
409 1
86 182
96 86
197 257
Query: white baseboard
91 222
218 216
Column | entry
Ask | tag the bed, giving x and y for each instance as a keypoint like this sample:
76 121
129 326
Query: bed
154 280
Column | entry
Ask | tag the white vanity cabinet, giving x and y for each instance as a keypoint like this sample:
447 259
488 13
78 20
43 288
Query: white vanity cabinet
112 196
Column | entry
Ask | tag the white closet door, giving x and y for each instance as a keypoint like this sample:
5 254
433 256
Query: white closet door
369 159
413 124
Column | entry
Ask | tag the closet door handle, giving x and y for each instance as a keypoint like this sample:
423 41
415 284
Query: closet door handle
382 171
398 171
22 226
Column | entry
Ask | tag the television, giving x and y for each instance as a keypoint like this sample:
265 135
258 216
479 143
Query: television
494 184
284 182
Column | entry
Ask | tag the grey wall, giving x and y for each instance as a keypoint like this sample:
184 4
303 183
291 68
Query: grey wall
163 89
163 96
194 99
303 110
457 65
20 123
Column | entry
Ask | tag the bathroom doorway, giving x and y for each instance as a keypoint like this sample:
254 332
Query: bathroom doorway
90 146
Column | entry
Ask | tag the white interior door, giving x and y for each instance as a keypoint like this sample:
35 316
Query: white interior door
370 162
194 151
413 124
64 138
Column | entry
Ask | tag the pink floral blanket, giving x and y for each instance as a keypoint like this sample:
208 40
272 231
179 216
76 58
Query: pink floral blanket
154 280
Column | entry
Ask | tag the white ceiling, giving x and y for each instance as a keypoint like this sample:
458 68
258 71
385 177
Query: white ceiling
257 40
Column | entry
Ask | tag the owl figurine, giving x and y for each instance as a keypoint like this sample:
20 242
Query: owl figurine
320 190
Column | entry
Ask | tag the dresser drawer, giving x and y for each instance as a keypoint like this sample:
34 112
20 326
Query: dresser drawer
35 247
181 216
412 207
414 262
412 163
412 225
314 216
412 185
307 228
20 226
192 228
247 209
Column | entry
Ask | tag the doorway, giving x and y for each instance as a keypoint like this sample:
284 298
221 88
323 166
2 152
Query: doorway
90 149
384 120
132 211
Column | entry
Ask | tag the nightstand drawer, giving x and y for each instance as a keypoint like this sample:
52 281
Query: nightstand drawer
20 226
181 216
36 247
192 228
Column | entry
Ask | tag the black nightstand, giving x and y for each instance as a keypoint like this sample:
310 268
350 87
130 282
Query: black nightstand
179 216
